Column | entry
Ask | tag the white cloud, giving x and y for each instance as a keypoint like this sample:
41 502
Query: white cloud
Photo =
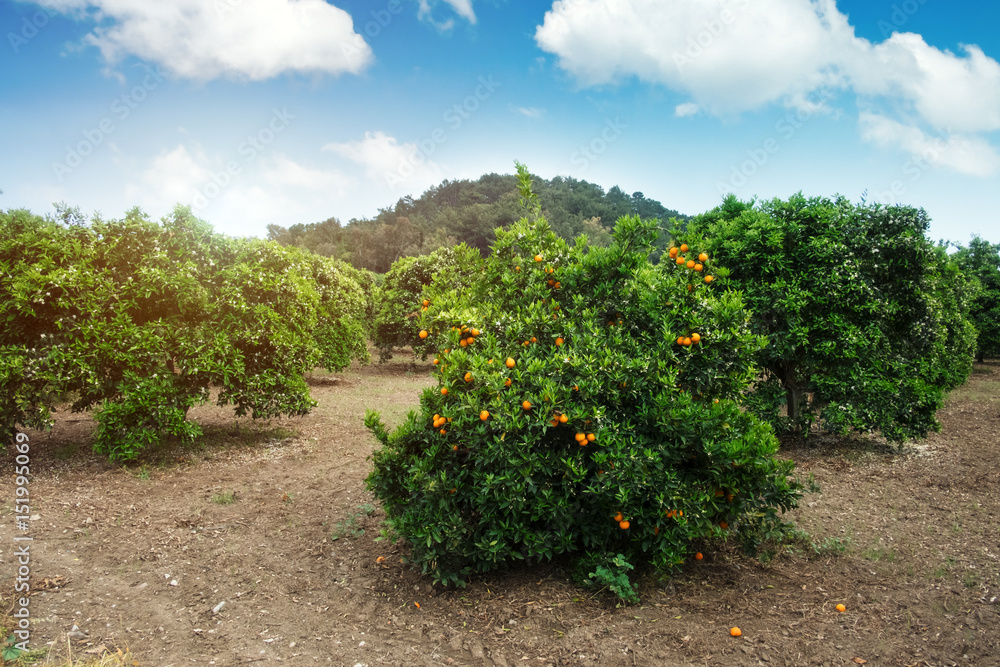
461 7
686 109
966 155
245 39
172 177
530 112
389 162
731 56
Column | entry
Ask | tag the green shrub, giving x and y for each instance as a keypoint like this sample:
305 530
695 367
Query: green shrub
981 261
477 479
138 320
865 320
399 300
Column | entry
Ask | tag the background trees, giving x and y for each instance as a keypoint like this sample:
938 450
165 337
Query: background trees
981 261
140 320
865 319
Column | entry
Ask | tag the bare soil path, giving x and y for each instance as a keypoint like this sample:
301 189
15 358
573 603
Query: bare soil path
257 546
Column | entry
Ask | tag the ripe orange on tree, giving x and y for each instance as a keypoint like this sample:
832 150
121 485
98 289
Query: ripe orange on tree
684 247
484 415
510 362
423 333
623 525
690 264
526 405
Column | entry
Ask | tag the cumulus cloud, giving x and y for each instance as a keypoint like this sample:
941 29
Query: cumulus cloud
964 154
731 56
244 39
386 160
461 7
686 109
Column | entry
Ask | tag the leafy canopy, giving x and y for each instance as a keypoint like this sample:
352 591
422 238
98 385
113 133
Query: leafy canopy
570 416
864 318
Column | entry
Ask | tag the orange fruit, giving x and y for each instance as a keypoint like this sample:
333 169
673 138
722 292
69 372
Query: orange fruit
538 258
695 337
656 530
442 431
484 415
526 405
436 362
380 559
444 391
426 303
690 264
624 525
576 388
551 283
703 257
673 252
680 340
559 341
698 267
687 341
563 419
735 632
463 342
619 517
510 362
684 247
517 268
474 332
708 279
534 340
723 525
423 333
468 377
841 608
507 383
580 436
680 261
591 437
454 448
698 556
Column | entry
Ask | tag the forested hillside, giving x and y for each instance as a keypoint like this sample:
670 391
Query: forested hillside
468 211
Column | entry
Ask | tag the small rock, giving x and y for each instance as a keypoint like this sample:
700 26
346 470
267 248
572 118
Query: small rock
173 582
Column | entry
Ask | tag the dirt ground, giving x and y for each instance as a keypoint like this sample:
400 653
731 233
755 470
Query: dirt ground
257 545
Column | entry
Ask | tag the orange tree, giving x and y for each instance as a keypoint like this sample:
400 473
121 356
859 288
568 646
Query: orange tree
981 260
139 320
584 404
399 300
866 320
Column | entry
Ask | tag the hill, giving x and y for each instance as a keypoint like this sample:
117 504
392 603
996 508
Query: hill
466 211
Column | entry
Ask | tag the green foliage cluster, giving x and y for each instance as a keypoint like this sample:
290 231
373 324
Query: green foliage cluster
138 320
399 299
981 261
865 319
600 412
467 212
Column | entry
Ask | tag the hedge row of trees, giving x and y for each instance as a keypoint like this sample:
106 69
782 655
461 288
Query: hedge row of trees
139 320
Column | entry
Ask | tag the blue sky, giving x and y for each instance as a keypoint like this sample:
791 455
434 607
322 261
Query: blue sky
293 111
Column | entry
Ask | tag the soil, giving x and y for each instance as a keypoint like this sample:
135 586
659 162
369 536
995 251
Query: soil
258 545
